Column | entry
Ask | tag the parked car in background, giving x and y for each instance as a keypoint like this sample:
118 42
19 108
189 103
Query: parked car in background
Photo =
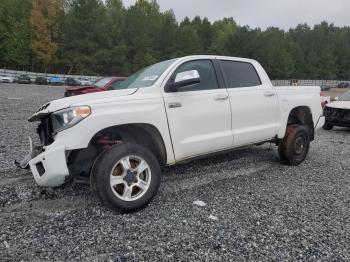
70 81
7 79
325 87
41 80
100 85
85 81
337 113
344 85
56 81
24 79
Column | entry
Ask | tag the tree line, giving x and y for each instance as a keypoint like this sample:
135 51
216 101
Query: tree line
95 37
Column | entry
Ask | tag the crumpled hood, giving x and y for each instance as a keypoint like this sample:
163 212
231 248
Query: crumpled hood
86 99
340 104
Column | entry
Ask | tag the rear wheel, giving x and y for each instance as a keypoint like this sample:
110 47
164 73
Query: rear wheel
295 145
126 177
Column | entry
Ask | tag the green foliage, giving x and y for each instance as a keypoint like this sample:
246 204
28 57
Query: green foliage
44 27
167 36
84 34
223 32
15 50
274 53
105 38
141 30
187 40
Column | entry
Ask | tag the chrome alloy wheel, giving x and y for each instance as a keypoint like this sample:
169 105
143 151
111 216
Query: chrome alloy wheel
130 178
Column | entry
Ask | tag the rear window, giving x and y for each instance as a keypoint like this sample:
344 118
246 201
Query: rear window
240 74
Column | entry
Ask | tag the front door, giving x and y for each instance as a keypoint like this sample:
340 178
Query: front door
199 115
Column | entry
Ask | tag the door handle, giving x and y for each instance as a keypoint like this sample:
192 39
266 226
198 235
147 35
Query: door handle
220 97
175 105
269 93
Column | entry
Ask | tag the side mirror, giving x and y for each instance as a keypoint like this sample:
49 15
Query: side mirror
186 78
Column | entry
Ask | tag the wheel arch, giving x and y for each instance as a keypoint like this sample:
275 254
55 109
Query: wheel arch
146 135
302 115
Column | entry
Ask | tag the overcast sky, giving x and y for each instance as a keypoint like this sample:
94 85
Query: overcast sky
262 13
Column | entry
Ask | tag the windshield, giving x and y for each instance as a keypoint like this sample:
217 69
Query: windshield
345 97
145 77
102 82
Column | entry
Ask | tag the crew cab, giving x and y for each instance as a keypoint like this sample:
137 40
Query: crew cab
337 113
165 114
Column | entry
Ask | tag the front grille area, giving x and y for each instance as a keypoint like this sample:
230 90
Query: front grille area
45 131
337 112
337 116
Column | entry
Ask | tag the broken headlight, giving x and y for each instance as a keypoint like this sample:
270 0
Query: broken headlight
69 117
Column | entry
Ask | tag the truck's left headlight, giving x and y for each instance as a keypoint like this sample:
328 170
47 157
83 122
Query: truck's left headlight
69 117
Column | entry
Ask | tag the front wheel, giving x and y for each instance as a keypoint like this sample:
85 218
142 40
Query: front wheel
327 126
126 177
293 148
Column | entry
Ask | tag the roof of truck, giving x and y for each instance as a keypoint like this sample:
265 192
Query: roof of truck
218 57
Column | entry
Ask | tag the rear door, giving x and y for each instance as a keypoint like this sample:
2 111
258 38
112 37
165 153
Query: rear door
199 115
253 103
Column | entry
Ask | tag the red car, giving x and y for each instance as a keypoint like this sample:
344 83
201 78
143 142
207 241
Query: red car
103 84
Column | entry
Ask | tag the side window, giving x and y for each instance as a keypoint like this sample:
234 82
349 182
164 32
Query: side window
240 74
206 72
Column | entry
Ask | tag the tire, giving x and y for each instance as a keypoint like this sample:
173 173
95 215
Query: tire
129 191
327 126
294 147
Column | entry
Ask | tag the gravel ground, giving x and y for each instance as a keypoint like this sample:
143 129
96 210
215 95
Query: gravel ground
256 209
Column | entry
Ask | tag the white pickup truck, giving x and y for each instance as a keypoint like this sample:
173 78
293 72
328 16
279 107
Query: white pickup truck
165 114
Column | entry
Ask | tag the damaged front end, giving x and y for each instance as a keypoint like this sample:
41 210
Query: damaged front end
46 161
62 153
45 132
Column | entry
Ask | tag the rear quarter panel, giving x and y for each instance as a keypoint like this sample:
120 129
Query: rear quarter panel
290 97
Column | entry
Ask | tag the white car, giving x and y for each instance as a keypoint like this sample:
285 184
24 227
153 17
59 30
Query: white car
337 113
85 82
165 114
7 79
